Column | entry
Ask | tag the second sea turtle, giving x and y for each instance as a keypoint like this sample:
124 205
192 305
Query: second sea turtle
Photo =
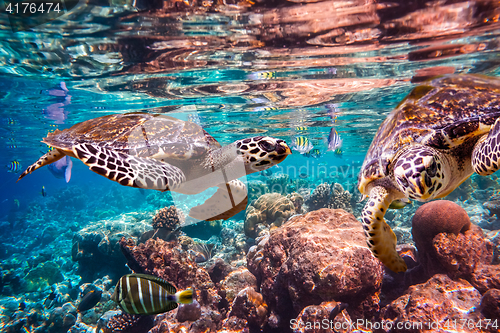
439 135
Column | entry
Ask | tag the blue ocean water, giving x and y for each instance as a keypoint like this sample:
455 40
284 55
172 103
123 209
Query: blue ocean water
238 70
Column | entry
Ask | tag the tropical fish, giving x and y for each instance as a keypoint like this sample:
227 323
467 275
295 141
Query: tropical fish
262 75
301 129
62 91
147 294
302 144
44 193
89 300
62 168
51 300
338 151
399 203
332 111
266 173
264 108
315 153
11 121
14 166
334 140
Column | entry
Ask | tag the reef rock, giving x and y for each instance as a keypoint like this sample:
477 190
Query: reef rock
433 306
168 261
271 209
250 306
97 250
460 255
323 318
490 304
319 256
431 219
486 277
236 281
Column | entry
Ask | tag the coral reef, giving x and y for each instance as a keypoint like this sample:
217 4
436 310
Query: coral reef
96 248
236 281
332 313
278 183
188 312
168 261
249 305
319 197
490 304
165 222
430 219
331 196
319 256
117 321
256 188
444 299
297 201
168 218
340 198
43 276
271 209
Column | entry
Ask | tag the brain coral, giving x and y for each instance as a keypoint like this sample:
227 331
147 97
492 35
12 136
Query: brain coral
269 209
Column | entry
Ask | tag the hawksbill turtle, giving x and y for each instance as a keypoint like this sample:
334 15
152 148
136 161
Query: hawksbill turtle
153 151
437 137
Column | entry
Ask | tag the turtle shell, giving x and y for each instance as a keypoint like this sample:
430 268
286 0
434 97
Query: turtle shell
446 112
138 134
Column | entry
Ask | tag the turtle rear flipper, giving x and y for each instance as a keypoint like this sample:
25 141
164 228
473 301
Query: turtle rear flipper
230 199
51 157
130 170
486 154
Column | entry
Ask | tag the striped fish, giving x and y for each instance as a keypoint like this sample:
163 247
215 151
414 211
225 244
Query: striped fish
302 144
334 140
147 294
14 166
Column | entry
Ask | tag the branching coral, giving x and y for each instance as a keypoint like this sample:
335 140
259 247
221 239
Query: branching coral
168 218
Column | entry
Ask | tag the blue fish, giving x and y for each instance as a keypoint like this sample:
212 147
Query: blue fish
302 144
334 140
14 166
62 168
44 193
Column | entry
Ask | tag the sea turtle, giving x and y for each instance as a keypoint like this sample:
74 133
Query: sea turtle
442 132
153 151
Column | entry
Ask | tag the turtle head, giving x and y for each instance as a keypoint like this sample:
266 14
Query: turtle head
262 152
419 174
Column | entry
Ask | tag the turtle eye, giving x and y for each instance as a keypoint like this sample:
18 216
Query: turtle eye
267 146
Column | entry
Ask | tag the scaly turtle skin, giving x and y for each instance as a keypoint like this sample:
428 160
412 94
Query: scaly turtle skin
441 133
159 152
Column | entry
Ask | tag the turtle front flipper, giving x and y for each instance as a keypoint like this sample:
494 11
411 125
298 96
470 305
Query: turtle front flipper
380 237
486 153
130 170
230 199
51 157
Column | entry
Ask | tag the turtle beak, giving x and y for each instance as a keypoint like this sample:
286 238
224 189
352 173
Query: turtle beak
282 148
